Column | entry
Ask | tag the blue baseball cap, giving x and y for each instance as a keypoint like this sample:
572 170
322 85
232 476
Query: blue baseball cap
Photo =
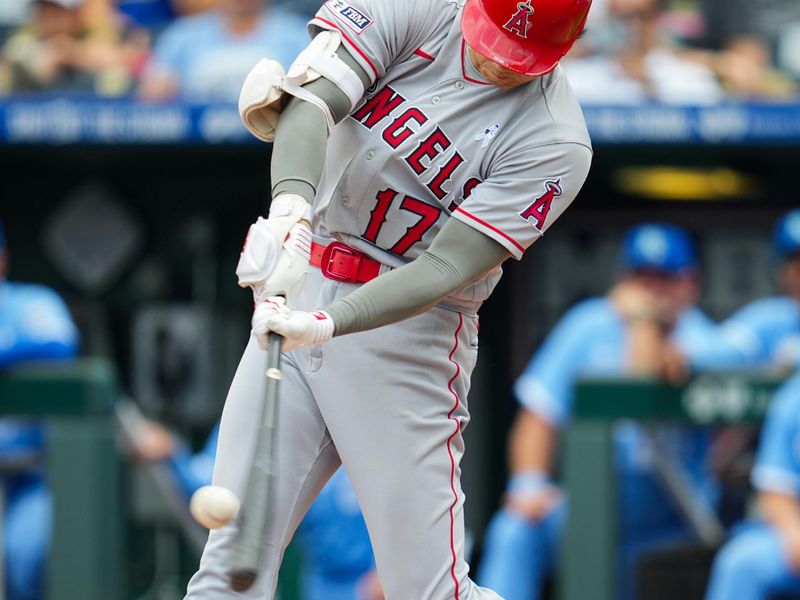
786 238
658 247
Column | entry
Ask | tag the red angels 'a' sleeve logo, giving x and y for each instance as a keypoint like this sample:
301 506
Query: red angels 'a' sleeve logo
521 20
541 206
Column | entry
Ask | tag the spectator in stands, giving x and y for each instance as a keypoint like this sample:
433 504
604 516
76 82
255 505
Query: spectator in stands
766 332
743 41
338 563
35 325
645 326
154 15
308 8
634 63
763 557
57 52
206 57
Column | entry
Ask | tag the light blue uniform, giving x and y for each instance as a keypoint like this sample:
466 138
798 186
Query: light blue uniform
335 544
590 341
754 565
211 64
34 325
193 471
332 537
765 333
762 334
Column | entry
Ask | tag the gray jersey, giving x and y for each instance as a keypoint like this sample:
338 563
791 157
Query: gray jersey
432 140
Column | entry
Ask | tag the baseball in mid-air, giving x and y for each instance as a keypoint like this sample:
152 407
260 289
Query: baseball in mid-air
213 506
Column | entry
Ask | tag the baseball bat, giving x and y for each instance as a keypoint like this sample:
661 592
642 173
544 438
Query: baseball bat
247 550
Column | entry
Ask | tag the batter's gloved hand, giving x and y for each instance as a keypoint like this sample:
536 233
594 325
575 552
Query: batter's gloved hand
266 308
300 328
275 255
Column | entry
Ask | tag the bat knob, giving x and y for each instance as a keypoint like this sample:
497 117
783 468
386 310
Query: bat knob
241 581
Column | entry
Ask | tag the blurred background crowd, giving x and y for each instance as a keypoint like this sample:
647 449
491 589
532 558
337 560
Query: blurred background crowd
677 261
676 51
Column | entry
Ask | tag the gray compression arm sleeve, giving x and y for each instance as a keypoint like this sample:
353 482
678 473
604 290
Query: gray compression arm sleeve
301 136
458 255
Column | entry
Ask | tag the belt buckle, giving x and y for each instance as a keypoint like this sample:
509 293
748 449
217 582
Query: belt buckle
328 256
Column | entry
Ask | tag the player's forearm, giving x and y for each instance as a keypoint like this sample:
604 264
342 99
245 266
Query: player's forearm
458 256
301 136
531 445
780 510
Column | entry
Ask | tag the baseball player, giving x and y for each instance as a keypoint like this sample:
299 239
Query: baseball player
34 325
763 559
426 141
637 328
766 332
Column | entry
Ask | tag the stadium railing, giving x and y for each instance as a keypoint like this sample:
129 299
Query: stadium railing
76 403
588 568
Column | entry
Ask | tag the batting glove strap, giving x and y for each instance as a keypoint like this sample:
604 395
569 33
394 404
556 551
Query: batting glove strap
302 328
324 327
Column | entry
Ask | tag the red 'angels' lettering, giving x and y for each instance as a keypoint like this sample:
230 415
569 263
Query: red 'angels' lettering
428 216
468 187
378 107
429 148
541 206
444 174
520 22
397 133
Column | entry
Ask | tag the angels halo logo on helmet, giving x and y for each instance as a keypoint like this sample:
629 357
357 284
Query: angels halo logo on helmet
521 20
528 37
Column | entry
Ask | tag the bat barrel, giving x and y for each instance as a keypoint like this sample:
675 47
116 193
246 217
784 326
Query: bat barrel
246 558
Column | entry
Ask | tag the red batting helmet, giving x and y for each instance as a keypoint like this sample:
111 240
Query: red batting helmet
526 36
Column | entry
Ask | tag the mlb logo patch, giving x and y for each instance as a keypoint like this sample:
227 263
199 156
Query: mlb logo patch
354 18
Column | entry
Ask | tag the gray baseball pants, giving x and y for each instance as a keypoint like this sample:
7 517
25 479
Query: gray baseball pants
390 405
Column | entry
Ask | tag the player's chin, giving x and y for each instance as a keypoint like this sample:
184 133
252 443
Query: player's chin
507 81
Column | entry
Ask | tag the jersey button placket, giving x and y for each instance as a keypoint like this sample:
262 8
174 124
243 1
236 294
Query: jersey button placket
346 201
370 155
459 85
436 100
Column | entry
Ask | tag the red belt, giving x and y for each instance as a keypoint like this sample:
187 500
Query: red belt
342 263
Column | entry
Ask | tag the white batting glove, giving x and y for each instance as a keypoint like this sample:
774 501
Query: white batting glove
300 328
266 308
289 275
267 238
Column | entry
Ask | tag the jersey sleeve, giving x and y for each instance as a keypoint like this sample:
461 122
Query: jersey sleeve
545 387
377 33
777 467
44 330
525 192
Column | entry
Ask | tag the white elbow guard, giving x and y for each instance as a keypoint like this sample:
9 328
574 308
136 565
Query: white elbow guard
260 101
267 237
319 59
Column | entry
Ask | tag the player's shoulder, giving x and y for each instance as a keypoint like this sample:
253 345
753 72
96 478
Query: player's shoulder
588 312
771 309
695 318
557 112
27 294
